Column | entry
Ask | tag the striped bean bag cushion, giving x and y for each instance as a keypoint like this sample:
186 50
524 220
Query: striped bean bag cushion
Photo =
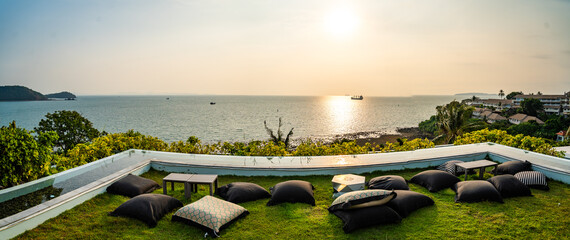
533 179
449 167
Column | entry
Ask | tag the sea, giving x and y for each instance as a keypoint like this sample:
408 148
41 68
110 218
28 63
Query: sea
237 118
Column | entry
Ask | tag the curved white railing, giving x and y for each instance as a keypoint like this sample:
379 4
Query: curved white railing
84 182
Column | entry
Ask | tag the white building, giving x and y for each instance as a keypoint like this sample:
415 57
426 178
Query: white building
498 104
553 104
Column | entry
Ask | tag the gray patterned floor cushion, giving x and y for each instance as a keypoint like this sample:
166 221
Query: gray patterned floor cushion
533 179
362 198
148 208
476 191
509 186
388 182
449 167
210 214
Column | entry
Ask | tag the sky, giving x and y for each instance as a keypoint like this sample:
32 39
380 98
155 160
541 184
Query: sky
310 48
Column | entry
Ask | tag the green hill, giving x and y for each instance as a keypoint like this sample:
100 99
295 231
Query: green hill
19 93
66 95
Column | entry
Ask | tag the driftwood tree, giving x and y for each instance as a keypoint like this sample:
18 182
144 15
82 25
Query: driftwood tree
279 137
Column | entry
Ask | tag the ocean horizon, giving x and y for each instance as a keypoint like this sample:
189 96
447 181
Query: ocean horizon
236 118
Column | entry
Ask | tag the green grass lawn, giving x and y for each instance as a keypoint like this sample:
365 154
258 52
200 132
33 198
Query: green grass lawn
546 215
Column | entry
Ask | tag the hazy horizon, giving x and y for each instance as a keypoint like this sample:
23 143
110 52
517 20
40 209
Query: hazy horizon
291 48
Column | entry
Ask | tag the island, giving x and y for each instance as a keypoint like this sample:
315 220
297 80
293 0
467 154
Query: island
64 95
21 93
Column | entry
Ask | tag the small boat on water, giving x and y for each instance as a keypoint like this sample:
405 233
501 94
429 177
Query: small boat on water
212 103
360 97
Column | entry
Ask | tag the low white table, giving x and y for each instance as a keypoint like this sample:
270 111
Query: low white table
481 164
191 182
347 183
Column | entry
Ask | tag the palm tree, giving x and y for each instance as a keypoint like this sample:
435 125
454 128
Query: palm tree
453 121
501 94
279 137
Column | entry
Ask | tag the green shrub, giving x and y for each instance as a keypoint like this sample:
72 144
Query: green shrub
111 144
534 144
315 148
406 145
429 126
254 148
22 157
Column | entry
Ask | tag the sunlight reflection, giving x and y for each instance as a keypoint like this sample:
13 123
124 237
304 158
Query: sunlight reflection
340 110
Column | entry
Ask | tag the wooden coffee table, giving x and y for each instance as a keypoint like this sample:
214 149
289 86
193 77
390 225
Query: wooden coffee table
176 177
481 164
196 179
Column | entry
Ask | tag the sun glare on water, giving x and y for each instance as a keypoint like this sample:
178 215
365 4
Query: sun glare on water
341 21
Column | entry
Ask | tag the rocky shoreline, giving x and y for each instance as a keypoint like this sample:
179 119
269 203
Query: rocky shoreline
408 133
373 137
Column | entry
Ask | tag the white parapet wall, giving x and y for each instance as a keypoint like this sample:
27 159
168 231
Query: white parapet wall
82 183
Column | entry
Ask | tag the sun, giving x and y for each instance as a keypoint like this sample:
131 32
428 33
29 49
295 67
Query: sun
341 22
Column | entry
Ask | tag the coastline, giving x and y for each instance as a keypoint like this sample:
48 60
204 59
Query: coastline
373 137
409 133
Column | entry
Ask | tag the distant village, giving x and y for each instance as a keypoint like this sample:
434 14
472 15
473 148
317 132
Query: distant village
509 108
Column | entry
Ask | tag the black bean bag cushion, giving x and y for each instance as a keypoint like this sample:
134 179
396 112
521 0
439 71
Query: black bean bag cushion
476 191
148 208
239 192
434 180
407 202
512 167
388 182
132 185
210 214
533 179
509 186
293 191
362 198
449 167
365 217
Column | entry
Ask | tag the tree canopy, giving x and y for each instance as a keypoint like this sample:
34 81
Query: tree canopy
70 126
453 120
532 106
513 94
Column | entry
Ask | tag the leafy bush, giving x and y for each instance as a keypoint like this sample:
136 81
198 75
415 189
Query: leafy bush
309 147
23 158
429 126
534 144
111 144
406 145
254 148
192 145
